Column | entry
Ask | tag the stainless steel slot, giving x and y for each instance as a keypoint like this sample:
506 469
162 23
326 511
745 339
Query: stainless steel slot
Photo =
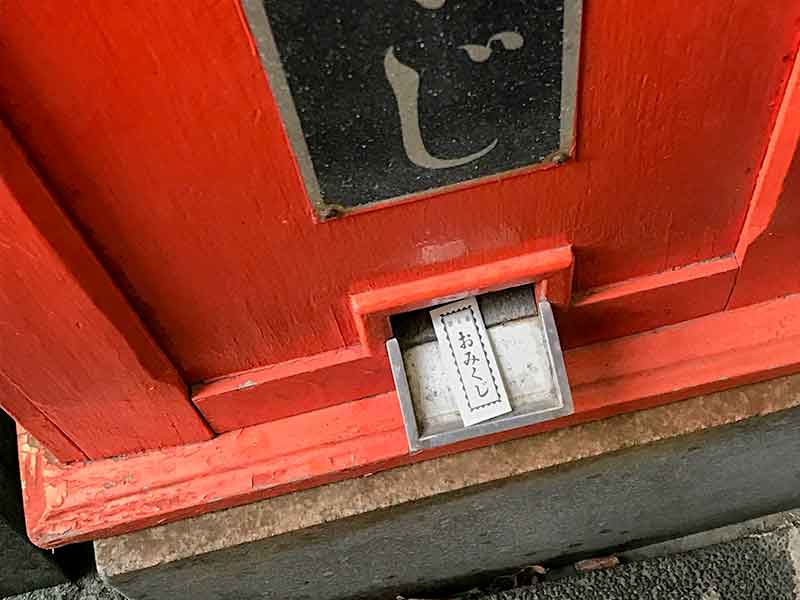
529 357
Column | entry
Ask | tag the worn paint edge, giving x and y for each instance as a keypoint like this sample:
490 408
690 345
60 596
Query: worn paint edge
70 503
257 23
783 142
371 307
67 503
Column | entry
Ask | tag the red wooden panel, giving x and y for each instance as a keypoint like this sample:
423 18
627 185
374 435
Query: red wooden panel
314 382
770 242
77 367
648 302
109 497
160 134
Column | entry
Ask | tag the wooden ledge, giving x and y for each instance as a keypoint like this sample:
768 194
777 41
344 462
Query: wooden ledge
81 501
410 483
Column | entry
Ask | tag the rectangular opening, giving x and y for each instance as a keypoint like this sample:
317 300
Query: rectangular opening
524 339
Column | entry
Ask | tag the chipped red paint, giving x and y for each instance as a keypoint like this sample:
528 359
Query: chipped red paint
70 503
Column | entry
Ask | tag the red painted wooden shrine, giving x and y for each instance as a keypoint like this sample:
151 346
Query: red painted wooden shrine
168 299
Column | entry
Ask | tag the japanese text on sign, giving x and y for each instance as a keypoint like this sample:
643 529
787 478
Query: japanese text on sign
475 378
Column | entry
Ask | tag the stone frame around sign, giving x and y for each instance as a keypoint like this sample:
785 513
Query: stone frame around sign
326 208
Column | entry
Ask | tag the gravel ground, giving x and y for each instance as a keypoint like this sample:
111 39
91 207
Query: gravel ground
90 587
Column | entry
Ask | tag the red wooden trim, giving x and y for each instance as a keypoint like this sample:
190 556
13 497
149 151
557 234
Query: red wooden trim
782 146
73 502
291 388
704 355
372 308
311 383
770 239
648 302
15 402
77 367
84 501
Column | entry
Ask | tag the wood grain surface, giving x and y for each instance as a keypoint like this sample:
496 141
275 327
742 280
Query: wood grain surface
155 125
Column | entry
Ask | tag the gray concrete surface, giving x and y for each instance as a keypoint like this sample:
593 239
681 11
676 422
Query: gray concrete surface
752 528
755 567
754 560
23 567
450 541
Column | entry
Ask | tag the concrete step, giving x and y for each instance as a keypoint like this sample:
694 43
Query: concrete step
755 560
437 528
759 566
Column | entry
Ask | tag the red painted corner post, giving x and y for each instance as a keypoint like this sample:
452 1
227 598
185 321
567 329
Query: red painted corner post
771 234
78 369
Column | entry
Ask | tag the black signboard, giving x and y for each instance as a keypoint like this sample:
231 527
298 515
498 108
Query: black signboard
383 99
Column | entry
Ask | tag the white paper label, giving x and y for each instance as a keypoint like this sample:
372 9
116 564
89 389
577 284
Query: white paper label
474 377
